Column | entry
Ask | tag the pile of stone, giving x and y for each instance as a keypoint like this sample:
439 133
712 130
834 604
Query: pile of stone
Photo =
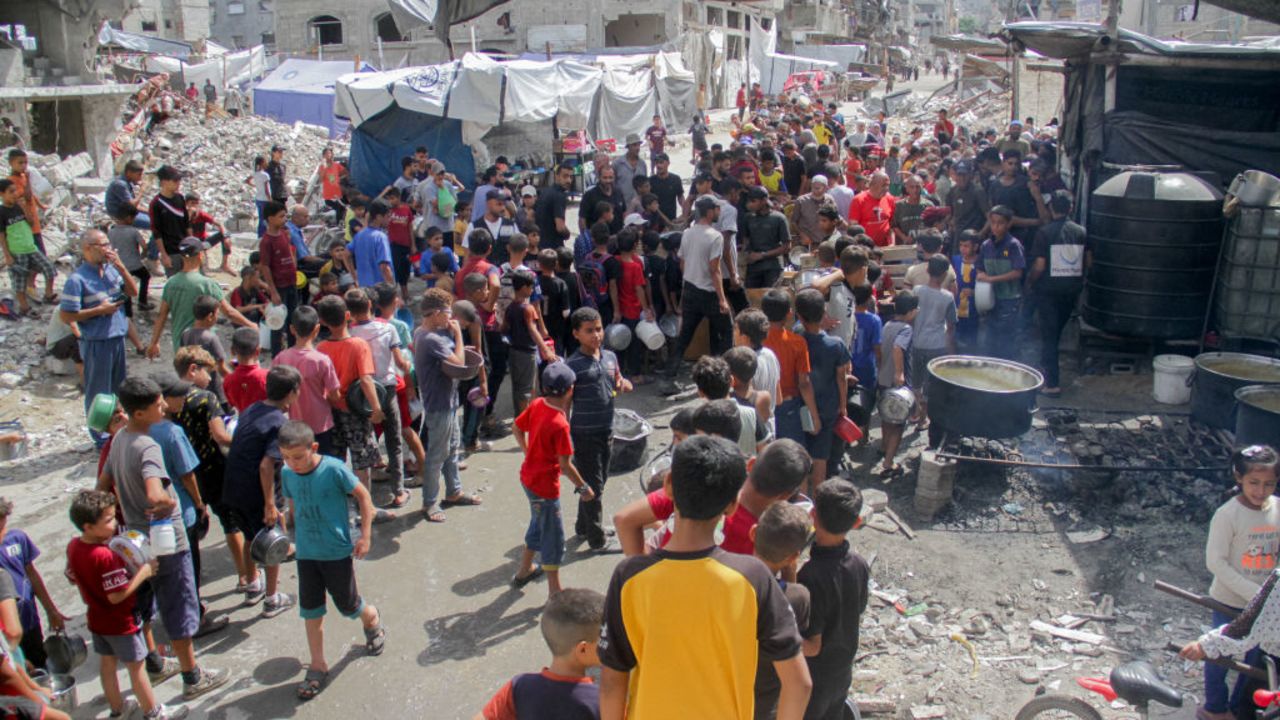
217 154
921 659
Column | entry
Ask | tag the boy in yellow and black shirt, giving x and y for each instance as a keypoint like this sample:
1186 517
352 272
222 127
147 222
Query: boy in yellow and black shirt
685 627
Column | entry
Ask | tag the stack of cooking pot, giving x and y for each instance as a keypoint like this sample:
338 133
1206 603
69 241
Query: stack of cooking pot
1239 392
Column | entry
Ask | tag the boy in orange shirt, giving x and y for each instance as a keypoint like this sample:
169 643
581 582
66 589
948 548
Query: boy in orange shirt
795 398
542 432
353 361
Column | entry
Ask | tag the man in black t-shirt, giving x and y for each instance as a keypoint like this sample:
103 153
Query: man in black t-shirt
1012 188
608 192
667 186
548 212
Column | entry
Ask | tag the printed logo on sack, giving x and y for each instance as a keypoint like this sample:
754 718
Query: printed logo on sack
425 81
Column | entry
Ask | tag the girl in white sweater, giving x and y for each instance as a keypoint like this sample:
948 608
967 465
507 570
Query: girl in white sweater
1244 541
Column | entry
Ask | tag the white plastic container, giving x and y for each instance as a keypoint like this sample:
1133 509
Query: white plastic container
164 540
1172 372
650 334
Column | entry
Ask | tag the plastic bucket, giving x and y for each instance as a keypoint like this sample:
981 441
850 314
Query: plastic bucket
848 430
1172 379
650 334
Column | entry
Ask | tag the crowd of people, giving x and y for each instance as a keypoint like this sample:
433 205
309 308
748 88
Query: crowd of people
380 357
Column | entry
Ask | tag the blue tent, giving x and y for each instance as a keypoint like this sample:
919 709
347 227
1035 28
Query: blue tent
303 90
379 143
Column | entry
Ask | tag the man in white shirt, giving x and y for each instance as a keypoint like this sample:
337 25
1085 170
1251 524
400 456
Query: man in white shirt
703 296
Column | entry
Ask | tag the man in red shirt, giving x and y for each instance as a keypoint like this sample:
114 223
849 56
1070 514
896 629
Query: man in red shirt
741 102
278 267
873 210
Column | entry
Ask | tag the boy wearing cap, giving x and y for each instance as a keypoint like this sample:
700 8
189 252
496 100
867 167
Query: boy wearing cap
542 432
179 297
276 170
1002 263
170 223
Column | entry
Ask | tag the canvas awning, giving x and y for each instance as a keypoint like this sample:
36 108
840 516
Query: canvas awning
1062 40
108 35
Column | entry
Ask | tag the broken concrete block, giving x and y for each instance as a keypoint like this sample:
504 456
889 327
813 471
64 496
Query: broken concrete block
876 705
927 712
89 186
75 166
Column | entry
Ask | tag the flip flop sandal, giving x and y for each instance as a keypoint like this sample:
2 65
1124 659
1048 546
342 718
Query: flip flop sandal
436 516
400 501
519 582
312 684
460 500
375 639
890 472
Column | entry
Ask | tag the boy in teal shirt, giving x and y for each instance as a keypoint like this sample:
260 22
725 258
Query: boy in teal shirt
318 488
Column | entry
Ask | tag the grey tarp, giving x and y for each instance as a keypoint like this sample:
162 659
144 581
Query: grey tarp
108 35
414 13
1136 138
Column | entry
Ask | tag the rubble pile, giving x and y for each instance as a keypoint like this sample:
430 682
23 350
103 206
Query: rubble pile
218 157
921 658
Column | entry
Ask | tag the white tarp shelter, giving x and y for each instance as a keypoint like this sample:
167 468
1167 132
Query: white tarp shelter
225 70
464 104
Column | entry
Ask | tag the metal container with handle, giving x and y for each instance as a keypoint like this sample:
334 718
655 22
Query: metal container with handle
982 396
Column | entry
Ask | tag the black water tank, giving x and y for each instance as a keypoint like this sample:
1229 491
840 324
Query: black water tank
1155 240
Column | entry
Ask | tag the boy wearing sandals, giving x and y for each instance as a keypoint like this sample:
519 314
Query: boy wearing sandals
437 341
542 432
317 488
21 253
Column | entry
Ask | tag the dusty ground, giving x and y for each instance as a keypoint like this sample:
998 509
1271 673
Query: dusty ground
457 631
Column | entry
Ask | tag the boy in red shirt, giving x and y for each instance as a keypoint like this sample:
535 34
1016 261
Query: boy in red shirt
633 301
199 221
247 384
109 592
400 233
278 267
542 432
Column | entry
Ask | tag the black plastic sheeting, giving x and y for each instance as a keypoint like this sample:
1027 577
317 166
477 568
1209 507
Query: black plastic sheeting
1134 138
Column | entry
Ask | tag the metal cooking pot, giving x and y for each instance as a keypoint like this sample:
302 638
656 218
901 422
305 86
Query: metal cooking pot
1218 376
467 371
630 440
895 405
270 546
618 337
358 404
66 651
62 687
982 396
1258 415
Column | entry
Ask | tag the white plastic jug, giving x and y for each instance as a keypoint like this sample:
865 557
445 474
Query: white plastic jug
164 540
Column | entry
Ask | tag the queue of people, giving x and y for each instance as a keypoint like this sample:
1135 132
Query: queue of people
387 368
